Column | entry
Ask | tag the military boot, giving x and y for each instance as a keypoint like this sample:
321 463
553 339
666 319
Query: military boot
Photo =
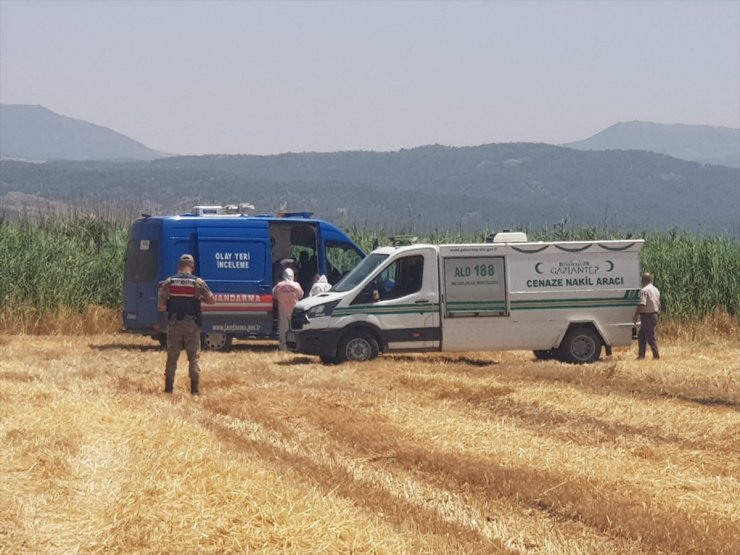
168 386
195 387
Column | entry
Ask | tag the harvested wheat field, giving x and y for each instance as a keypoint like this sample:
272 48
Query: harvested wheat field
473 453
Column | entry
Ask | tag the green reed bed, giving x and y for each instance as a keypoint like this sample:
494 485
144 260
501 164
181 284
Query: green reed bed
697 275
75 264
54 265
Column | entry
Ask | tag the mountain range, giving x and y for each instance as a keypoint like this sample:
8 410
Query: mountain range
424 189
35 133
698 143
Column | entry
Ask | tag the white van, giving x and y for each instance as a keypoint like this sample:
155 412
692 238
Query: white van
562 300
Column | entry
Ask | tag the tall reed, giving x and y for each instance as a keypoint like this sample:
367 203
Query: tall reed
55 264
50 265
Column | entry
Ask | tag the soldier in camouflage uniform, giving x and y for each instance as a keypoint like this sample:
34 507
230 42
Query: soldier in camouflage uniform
181 296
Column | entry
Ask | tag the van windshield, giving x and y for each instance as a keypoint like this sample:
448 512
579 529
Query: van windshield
359 273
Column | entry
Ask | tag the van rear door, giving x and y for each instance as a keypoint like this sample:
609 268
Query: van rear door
235 262
141 276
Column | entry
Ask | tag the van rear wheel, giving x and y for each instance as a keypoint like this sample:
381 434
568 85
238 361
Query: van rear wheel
216 341
357 346
580 346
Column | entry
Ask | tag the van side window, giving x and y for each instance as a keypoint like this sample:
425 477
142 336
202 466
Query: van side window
401 278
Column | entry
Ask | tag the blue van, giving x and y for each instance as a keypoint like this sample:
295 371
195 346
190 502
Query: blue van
240 256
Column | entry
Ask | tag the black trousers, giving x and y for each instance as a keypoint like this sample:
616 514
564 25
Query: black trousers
647 334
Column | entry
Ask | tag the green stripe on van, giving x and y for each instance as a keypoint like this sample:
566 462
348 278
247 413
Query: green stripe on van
495 307
479 307
562 306
394 309
588 302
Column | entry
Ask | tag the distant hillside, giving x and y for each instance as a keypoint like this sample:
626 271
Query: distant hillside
698 143
35 133
422 189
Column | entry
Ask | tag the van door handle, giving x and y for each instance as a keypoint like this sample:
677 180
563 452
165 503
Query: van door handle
422 301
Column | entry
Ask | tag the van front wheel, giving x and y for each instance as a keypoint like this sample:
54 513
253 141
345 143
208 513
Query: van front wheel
357 346
580 346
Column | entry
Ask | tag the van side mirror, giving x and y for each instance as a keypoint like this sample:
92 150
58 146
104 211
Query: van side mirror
368 295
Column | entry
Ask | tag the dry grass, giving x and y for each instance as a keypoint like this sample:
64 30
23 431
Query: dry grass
719 324
29 321
474 453
100 320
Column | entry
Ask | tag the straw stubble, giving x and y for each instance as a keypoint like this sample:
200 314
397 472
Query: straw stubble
410 454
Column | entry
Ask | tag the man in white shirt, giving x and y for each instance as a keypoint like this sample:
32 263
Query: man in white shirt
648 309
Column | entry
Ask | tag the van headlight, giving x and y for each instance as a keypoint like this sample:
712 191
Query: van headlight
321 310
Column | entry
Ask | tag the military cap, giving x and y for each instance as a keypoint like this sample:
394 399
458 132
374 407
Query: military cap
187 259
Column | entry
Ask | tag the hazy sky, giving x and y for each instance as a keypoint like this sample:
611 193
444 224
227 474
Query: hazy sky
268 77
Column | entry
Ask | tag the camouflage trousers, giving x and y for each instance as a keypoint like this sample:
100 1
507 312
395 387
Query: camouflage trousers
181 335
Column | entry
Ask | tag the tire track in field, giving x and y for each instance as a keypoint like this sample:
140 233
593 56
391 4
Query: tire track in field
629 513
574 427
446 536
711 445
501 521
601 378
291 411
